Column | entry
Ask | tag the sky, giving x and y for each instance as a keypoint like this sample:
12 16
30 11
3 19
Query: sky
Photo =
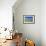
6 13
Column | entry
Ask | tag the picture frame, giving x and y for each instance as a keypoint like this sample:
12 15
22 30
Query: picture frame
28 19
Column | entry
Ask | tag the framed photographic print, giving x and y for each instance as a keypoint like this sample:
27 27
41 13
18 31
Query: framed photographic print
29 19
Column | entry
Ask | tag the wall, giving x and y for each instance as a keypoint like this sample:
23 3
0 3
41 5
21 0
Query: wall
30 31
43 22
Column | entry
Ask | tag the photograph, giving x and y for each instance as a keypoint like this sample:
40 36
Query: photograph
29 19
